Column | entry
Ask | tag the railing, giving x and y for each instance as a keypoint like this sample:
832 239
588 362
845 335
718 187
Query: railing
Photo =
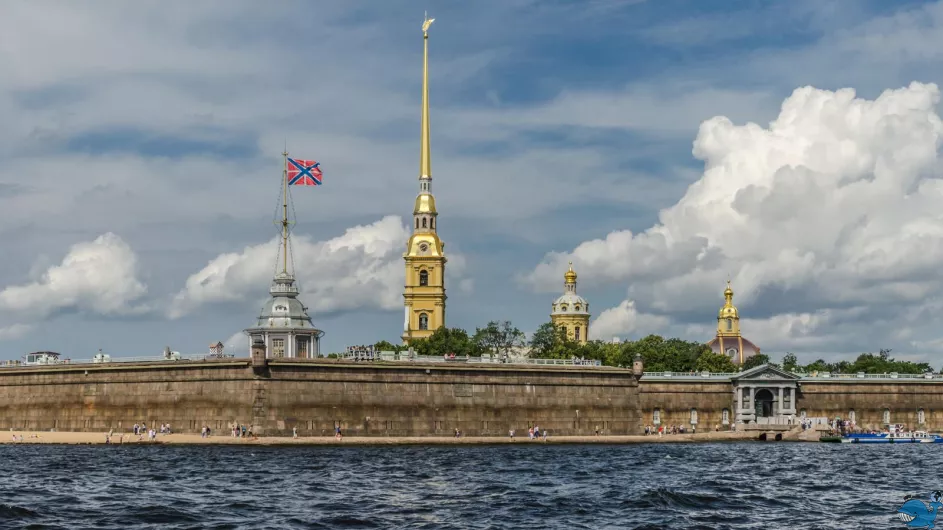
484 359
815 376
111 360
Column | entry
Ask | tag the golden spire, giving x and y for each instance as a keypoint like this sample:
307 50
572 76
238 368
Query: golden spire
570 275
425 157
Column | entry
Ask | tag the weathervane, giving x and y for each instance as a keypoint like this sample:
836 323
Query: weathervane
426 22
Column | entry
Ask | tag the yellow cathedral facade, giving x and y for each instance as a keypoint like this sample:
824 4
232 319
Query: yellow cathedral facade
570 311
424 291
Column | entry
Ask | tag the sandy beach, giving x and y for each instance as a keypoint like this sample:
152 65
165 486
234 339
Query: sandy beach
98 438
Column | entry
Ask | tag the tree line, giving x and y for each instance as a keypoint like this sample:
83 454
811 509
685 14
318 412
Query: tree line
658 354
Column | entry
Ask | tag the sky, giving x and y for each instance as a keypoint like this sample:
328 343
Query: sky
662 147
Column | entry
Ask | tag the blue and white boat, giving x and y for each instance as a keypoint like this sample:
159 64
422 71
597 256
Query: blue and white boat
893 436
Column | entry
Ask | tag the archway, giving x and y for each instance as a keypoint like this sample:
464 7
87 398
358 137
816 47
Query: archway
764 403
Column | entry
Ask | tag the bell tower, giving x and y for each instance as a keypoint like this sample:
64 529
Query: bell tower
424 292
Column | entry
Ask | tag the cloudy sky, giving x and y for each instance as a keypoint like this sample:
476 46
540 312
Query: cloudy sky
660 146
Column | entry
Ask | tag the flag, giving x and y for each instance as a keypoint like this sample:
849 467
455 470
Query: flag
303 172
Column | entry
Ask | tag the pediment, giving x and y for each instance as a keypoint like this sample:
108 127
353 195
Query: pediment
765 372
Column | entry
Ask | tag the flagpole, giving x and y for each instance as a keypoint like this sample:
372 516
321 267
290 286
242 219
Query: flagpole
285 211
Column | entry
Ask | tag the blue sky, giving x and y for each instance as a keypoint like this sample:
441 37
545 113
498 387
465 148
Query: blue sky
554 124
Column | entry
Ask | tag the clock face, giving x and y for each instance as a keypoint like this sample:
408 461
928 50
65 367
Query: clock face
732 352
423 247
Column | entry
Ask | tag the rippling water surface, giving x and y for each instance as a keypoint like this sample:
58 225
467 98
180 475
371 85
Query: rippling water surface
731 485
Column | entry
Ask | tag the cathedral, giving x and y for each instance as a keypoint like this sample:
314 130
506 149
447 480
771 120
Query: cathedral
729 341
424 291
570 311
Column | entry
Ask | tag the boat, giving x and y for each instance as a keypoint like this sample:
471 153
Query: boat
896 434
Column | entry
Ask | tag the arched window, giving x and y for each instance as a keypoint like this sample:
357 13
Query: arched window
576 308
562 307
432 223
852 417
576 332
417 222
423 222
921 417
423 321
656 416
423 278
729 324
887 416
725 417
693 416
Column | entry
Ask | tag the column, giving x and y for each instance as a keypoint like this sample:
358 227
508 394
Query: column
780 407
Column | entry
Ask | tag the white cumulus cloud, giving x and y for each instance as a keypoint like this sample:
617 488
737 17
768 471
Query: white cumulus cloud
363 268
99 276
833 208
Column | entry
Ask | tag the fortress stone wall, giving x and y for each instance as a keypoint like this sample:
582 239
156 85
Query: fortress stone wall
867 399
366 399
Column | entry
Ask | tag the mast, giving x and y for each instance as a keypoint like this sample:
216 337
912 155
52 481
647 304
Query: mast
285 212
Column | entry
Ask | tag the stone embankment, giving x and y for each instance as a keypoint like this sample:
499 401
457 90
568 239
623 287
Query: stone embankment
98 438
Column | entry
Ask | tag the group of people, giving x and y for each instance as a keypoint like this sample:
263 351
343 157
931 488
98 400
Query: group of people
362 352
238 430
661 430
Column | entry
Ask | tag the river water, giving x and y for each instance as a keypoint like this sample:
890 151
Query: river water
722 485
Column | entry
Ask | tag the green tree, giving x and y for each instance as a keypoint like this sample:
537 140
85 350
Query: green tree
790 362
499 337
446 341
384 345
543 341
757 360
714 362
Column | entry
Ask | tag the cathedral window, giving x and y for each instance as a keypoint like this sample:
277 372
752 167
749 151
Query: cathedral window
278 347
417 222
921 417
423 222
423 278
432 223
851 416
693 416
576 332
423 321
729 324
887 417
656 416
725 417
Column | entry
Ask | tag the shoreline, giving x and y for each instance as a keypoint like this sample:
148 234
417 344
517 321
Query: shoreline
98 438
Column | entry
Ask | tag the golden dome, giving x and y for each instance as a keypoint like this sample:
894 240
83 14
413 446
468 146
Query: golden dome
425 203
570 275
729 310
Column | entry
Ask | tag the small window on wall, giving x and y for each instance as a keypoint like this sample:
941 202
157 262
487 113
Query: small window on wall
729 324
887 416
423 321
577 332
725 417
656 416
423 222
921 417
423 278
693 416
852 417
278 347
